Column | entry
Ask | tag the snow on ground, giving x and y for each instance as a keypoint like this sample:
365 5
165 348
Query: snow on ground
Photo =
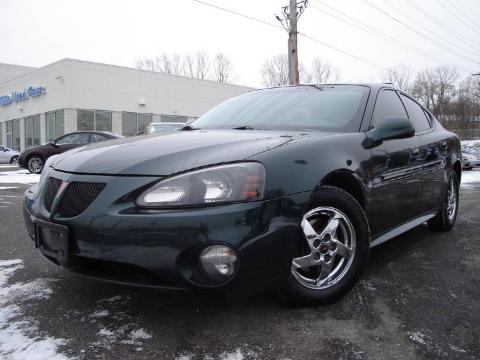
18 177
470 178
20 337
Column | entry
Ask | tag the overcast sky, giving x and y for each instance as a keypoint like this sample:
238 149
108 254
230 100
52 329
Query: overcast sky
38 32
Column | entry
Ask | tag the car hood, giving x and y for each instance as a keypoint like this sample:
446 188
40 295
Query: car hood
171 153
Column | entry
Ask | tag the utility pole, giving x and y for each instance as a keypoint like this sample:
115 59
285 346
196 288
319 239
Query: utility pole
291 14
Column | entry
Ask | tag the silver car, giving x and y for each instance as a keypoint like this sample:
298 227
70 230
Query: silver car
163 127
8 156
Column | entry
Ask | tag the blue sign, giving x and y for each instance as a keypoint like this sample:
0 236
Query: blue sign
22 95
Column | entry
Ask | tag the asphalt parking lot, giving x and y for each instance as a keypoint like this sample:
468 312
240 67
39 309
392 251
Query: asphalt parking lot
419 298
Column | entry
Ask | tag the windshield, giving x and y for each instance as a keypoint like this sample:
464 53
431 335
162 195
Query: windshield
336 108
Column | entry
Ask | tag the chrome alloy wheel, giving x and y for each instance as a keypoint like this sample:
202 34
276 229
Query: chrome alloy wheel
451 201
330 248
35 165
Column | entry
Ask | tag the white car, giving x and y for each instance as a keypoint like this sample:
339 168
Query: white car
8 156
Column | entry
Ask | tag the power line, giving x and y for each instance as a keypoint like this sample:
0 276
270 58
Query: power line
416 31
463 14
301 34
456 16
373 31
429 31
442 25
238 14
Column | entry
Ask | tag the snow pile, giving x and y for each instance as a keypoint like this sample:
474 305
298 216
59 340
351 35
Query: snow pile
20 337
18 177
470 178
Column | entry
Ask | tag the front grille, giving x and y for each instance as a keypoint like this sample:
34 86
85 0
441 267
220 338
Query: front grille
78 196
52 188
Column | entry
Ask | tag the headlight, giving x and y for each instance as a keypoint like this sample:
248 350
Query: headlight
218 184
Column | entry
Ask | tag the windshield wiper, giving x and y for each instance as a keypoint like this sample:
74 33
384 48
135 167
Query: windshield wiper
244 127
189 127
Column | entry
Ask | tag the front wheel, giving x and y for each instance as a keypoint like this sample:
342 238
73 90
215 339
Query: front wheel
333 250
35 164
446 218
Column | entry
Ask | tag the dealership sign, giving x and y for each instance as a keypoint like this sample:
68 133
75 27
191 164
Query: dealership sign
16 96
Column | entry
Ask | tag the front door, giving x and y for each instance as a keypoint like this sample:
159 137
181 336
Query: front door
395 187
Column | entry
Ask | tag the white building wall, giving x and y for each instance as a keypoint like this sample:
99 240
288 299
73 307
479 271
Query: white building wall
3 136
22 133
74 84
43 129
70 120
117 122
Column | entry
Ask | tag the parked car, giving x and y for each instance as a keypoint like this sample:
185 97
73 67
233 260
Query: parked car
470 160
8 156
34 157
286 187
162 127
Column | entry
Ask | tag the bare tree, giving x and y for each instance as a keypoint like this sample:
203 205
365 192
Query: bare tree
435 88
275 71
322 72
399 76
163 63
222 68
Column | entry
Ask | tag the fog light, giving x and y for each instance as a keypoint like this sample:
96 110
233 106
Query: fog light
218 261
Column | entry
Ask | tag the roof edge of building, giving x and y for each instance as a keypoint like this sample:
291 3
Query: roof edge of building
72 60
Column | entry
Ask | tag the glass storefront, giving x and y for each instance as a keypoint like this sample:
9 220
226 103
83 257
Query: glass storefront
94 120
32 131
133 123
55 124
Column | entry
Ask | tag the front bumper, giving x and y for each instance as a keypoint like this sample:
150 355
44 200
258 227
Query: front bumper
112 240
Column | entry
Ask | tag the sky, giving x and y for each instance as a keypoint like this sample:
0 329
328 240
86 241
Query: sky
39 32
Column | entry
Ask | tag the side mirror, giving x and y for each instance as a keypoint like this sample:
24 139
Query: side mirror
390 128
52 142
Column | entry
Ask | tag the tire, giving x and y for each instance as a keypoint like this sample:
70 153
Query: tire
342 247
35 164
445 219
14 160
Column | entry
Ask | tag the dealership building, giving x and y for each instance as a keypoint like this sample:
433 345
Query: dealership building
40 104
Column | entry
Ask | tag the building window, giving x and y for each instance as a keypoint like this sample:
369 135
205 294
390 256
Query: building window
174 118
32 131
55 124
89 120
13 134
133 123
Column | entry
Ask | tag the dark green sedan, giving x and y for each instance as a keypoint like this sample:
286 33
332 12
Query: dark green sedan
284 188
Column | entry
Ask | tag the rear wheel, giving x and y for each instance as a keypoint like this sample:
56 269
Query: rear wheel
14 160
446 218
35 164
333 250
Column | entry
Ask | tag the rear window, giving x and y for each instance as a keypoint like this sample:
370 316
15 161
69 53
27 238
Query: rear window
336 108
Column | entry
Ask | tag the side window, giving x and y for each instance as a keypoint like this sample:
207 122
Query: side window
416 114
97 138
388 104
80 138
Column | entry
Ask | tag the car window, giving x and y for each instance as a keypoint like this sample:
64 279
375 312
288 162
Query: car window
388 104
2 148
79 138
416 114
98 138
336 108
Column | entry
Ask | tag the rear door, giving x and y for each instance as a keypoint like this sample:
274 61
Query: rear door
430 159
395 190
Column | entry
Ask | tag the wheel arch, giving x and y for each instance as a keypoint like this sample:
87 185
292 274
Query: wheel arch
347 181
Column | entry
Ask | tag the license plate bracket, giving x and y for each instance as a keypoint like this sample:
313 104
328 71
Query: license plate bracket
52 239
